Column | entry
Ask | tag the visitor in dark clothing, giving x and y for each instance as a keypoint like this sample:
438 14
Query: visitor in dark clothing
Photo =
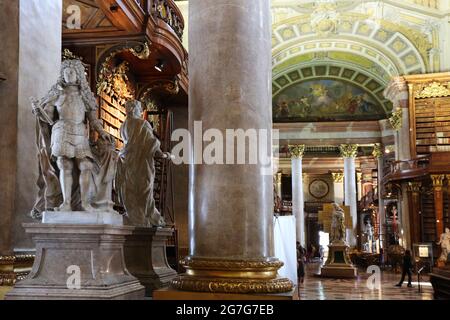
406 268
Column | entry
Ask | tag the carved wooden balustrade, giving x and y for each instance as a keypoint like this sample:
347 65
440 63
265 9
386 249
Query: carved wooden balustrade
408 169
168 11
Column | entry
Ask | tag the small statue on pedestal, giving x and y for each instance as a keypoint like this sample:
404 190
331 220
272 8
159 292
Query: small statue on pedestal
62 118
337 224
136 170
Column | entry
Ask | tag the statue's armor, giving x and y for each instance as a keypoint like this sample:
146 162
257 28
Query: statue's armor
70 137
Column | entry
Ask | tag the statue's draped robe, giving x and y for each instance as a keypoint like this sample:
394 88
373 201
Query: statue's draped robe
136 172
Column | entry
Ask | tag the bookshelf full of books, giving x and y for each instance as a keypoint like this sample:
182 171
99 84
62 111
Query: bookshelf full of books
432 125
113 115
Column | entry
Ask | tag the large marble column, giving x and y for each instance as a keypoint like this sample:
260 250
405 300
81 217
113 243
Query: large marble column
397 93
230 210
349 153
29 60
338 187
298 209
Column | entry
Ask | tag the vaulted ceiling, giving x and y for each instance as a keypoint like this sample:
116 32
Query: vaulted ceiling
364 42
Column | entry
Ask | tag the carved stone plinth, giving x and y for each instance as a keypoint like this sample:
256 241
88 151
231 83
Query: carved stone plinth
146 259
95 250
338 264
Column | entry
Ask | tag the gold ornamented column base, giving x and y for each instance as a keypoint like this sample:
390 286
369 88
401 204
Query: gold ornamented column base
232 276
14 268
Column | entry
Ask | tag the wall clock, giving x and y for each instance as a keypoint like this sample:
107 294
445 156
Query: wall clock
319 188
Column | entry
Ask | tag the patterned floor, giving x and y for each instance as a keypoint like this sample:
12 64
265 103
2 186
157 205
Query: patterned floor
317 288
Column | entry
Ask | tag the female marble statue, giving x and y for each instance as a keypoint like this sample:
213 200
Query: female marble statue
136 171
62 116
337 224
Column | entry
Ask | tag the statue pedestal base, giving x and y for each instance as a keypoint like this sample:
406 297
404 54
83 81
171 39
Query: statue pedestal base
78 261
146 259
338 264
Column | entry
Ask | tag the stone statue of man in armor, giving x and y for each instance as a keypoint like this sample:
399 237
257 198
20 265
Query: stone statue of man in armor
68 107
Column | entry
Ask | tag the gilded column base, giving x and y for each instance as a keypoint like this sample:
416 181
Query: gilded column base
14 268
231 276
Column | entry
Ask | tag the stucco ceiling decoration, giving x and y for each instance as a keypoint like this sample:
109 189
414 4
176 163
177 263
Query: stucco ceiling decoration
355 41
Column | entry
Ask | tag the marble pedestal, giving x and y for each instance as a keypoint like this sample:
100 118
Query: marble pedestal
338 264
63 249
146 259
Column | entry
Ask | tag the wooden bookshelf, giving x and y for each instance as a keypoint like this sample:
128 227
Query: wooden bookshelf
113 115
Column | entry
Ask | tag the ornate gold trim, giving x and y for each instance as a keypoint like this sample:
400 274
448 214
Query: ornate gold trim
14 268
231 265
433 90
396 119
297 151
232 276
244 286
438 181
377 151
338 177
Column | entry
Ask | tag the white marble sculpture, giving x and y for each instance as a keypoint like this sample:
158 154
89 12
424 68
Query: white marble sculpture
337 224
445 245
136 170
63 116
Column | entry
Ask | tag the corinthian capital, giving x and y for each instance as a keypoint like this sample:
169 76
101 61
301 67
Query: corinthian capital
338 177
348 150
297 151
377 151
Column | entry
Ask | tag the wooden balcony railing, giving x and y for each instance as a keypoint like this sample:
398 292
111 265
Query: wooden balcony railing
168 11
408 169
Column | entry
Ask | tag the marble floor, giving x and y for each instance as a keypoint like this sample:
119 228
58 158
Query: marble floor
317 288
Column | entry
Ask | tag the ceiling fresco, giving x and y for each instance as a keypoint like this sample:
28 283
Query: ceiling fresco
326 100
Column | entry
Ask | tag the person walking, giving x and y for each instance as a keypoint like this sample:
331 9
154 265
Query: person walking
406 269
300 263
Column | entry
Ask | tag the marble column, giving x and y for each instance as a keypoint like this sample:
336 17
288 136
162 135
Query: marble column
438 182
397 93
378 154
298 209
30 61
338 187
231 246
349 153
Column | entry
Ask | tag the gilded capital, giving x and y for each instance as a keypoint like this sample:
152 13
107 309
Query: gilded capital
297 150
278 177
414 187
377 151
349 150
438 181
396 119
359 176
338 177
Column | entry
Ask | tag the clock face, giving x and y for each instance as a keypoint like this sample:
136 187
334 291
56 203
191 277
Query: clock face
318 188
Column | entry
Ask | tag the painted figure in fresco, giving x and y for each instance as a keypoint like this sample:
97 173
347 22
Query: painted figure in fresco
63 115
136 170
444 242
337 224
